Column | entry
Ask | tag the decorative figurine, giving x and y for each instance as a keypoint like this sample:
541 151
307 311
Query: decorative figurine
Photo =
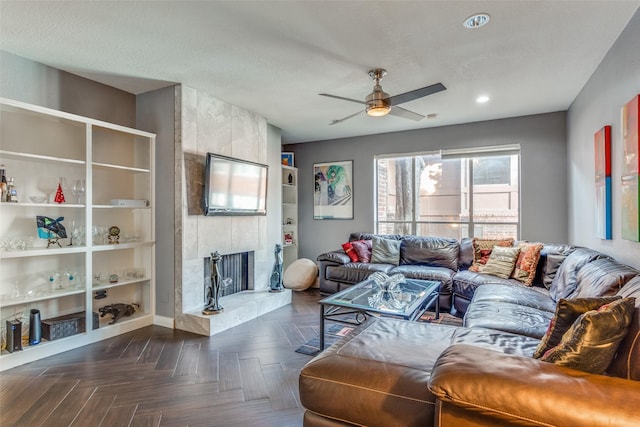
51 229
59 197
276 275
118 310
114 235
215 286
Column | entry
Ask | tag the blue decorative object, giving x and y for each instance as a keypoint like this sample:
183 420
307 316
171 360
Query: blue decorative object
51 229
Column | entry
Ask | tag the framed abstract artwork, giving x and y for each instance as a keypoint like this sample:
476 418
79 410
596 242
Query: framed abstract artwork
602 145
333 192
630 169
287 159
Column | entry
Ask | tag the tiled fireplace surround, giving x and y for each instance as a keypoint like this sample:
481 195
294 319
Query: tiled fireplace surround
205 124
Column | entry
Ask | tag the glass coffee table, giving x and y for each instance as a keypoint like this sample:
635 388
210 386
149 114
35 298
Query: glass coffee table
407 300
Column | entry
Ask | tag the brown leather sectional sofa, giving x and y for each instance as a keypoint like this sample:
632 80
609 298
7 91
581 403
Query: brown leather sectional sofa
391 372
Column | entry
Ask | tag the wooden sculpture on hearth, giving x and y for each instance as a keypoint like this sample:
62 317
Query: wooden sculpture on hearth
276 275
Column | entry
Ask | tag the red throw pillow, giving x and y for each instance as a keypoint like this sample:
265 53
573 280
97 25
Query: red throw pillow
363 249
348 249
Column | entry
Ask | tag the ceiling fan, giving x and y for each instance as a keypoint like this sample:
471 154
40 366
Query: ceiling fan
379 103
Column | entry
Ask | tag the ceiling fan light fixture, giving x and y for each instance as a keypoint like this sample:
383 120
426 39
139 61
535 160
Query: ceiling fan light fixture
377 103
476 21
378 110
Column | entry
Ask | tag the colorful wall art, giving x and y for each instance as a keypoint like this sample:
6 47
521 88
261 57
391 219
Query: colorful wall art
333 193
602 142
630 169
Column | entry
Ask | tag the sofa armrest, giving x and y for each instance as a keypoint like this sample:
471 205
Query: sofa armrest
337 257
502 388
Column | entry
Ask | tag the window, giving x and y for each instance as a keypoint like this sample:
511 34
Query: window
449 194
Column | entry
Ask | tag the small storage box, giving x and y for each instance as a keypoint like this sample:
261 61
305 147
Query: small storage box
66 326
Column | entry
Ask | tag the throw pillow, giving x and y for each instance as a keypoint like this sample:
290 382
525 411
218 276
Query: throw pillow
527 262
567 311
593 339
482 250
348 249
385 251
363 249
501 261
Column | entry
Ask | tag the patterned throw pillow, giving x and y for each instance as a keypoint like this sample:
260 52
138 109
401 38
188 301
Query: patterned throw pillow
482 251
386 251
567 311
501 261
593 339
363 249
348 249
527 262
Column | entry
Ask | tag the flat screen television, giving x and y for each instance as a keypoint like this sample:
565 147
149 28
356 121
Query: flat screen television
234 186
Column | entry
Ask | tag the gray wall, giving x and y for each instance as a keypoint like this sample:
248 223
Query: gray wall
156 113
543 174
613 84
35 83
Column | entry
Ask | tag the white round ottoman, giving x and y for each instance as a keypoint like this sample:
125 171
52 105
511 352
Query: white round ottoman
300 275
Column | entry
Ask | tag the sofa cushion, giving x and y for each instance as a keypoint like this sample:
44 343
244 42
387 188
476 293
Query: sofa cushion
567 311
433 251
626 363
551 256
385 251
533 297
465 254
508 317
363 249
421 272
566 280
482 250
591 342
465 282
501 262
354 272
527 262
603 277
348 249
383 368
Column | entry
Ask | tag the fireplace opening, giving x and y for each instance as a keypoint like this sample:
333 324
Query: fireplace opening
238 267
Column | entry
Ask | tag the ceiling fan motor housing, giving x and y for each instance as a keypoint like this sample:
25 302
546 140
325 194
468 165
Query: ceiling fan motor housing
377 102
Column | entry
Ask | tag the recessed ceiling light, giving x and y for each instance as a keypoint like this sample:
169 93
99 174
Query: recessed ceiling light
482 99
476 21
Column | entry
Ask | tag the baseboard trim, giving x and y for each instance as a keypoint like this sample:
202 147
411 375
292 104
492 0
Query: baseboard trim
166 322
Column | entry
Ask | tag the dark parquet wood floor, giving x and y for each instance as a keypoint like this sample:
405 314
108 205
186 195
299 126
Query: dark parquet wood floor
245 376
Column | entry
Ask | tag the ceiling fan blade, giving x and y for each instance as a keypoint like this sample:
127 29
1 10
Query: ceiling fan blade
335 122
415 94
341 97
405 114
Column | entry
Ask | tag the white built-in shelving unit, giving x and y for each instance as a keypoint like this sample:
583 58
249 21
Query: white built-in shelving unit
289 215
37 147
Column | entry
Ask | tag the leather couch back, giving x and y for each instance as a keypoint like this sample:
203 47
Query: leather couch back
626 363
369 236
551 256
431 251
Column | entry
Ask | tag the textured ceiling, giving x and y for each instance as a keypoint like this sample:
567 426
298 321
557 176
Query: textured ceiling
274 57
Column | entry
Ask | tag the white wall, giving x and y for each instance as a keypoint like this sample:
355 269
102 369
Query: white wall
614 83
543 185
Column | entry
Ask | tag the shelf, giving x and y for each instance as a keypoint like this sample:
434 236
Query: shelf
9 302
44 343
289 185
39 145
104 321
121 246
101 286
42 205
120 168
42 252
119 207
12 155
